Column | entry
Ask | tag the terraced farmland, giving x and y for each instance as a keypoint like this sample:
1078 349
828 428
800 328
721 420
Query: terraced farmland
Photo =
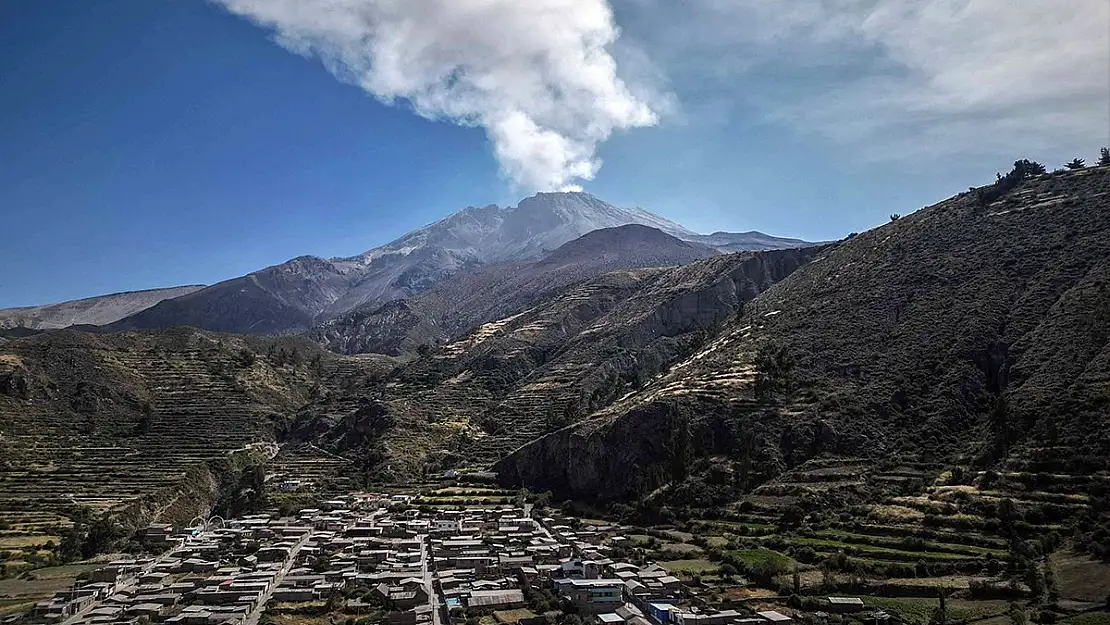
98 422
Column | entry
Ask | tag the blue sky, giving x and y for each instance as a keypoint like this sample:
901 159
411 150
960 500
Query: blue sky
152 143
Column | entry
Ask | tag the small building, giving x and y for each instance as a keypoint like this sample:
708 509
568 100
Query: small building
844 605
499 599
660 612
592 596
775 617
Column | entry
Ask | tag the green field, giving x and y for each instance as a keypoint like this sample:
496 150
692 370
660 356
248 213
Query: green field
822 544
919 609
761 558
1090 618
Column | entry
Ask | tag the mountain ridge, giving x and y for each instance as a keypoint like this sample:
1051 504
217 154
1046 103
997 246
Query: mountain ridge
467 300
294 296
96 310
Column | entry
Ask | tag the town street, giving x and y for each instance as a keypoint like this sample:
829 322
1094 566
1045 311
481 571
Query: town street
256 613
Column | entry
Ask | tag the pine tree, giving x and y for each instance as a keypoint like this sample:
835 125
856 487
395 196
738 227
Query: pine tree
1104 157
1076 163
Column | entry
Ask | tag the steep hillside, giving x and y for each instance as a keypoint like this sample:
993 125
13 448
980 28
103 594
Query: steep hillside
475 399
90 311
120 421
473 298
296 295
281 299
965 333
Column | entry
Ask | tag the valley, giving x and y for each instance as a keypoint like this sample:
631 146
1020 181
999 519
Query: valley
913 417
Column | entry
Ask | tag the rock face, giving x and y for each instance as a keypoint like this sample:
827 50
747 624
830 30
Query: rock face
961 331
578 349
296 295
470 299
91 311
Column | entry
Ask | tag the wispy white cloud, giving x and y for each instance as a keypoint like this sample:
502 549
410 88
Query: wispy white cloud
912 77
537 75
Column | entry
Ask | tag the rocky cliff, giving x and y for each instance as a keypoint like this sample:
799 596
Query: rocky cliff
968 331
472 400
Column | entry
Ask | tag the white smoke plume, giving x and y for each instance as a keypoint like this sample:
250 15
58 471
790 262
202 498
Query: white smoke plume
535 74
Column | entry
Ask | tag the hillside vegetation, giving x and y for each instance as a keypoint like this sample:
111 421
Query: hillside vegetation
965 343
122 422
475 399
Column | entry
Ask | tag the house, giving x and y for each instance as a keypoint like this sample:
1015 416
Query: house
725 617
775 618
844 605
498 599
592 596
660 612
293 594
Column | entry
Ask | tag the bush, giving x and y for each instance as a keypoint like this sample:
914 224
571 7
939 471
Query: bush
1023 170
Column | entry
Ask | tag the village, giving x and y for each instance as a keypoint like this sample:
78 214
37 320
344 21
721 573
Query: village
376 558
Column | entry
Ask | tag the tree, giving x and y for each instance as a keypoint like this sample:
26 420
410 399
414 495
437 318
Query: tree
1076 163
1104 157
424 349
542 500
727 571
797 579
1051 585
895 217
1027 168
942 609
773 365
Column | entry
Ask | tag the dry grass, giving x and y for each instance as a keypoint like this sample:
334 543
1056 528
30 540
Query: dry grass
512 616
18 542
1080 577
679 549
895 514
689 566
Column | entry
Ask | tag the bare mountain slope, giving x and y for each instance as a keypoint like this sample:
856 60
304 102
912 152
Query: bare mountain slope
745 241
293 296
282 299
580 348
90 311
473 298
963 333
